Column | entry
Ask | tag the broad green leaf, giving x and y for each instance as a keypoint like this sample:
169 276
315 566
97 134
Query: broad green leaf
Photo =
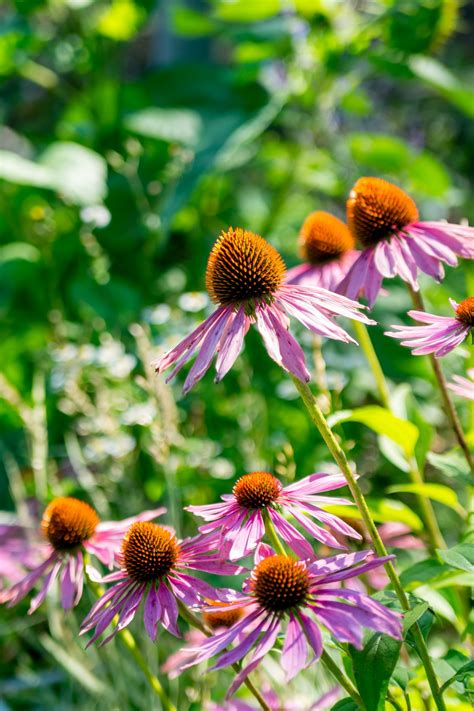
381 152
75 172
424 571
383 511
382 422
373 667
444 82
19 250
451 464
171 125
437 492
460 557
346 704
121 20
428 176
246 10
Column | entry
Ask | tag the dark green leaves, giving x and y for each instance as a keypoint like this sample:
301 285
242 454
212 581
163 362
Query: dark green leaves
373 667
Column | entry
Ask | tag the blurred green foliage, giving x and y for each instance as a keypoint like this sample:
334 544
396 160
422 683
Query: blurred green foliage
131 133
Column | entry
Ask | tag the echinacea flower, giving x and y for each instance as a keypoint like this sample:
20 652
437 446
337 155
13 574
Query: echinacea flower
153 564
70 528
464 387
17 554
327 249
240 519
215 621
283 594
441 333
245 276
385 220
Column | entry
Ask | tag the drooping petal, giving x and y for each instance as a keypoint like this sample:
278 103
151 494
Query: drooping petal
294 653
152 612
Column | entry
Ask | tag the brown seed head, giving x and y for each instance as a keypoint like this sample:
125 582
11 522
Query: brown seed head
377 209
465 312
68 522
149 551
257 490
280 583
324 237
243 266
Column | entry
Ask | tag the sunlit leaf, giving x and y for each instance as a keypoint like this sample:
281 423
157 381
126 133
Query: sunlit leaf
383 511
171 125
382 422
437 492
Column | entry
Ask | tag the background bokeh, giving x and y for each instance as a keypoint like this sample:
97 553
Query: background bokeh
131 134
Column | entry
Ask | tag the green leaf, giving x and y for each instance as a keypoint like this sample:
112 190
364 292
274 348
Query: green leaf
444 82
19 250
451 464
170 125
77 173
383 511
381 152
465 670
436 492
246 10
414 615
373 667
383 422
346 704
422 572
460 557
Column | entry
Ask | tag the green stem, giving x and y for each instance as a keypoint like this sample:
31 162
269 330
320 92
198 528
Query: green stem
325 657
341 460
434 533
199 625
332 667
129 641
448 403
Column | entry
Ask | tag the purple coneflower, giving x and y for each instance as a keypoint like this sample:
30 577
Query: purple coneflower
283 590
153 562
240 518
245 276
327 249
441 333
385 220
70 527
464 387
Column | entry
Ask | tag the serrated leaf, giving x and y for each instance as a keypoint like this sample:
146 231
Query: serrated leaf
373 667
460 557
383 422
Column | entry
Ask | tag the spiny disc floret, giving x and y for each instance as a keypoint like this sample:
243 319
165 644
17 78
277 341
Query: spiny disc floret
257 490
222 618
68 522
377 210
324 238
280 583
465 312
242 267
149 551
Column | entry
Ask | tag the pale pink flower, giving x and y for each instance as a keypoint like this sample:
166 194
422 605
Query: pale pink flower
154 567
327 250
284 595
385 220
441 334
464 387
245 276
240 521
70 528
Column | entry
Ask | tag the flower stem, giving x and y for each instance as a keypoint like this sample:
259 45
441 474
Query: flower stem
199 625
341 460
434 534
130 643
448 403
343 680
326 659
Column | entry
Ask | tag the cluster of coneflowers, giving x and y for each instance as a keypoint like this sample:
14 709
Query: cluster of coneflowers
266 530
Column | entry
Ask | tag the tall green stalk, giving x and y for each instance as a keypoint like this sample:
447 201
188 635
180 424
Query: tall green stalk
340 458
435 536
